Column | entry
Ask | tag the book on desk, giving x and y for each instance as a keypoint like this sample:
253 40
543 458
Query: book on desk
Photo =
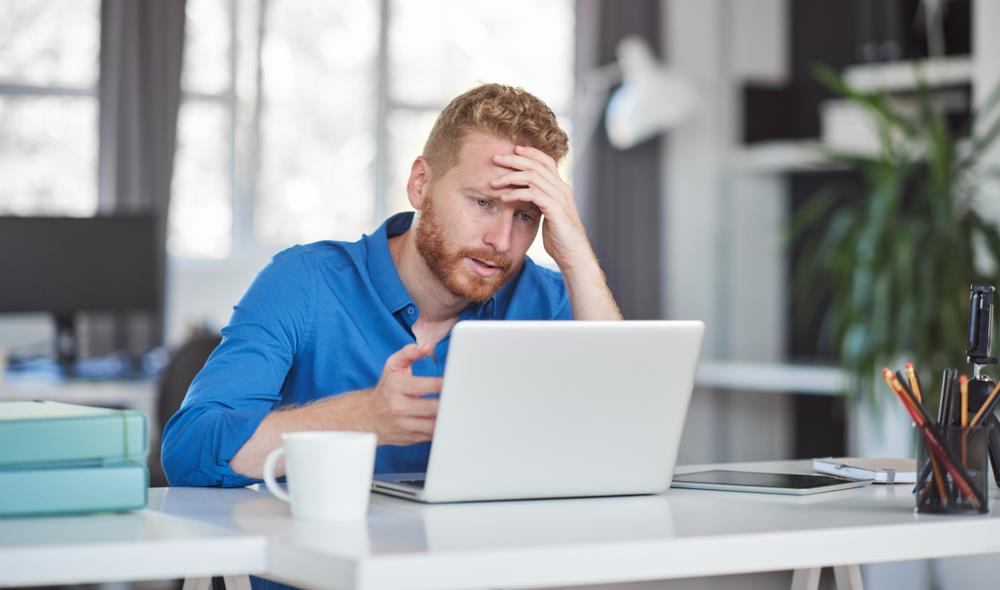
67 459
878 470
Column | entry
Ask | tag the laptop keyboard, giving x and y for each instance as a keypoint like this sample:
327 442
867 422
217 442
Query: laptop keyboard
417 483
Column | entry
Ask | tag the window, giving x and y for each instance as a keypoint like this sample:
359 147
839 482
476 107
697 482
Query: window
318 119
440 48
301 122
201 206
49 55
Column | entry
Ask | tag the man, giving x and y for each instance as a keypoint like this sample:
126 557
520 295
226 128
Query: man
353 336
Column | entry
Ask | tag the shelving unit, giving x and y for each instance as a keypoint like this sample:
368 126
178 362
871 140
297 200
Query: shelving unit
770 377
903 76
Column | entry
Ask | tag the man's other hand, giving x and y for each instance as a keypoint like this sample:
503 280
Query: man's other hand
399 415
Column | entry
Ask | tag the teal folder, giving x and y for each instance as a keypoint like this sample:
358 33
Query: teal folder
52 434
78 490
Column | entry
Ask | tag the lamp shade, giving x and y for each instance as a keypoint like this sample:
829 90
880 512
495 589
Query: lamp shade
651 99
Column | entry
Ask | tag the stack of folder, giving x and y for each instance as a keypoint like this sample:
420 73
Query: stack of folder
66 459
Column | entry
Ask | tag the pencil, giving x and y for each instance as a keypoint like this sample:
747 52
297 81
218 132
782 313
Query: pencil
911 376
963 383
939 481
986 405
920 416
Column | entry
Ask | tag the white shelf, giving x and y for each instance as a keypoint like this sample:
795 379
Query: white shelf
901 76
770 157
770 377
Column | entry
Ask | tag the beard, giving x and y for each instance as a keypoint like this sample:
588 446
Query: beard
449 266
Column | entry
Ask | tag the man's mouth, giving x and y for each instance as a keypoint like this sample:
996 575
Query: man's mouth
483 268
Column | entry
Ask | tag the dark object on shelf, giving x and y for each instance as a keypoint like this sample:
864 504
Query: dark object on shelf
67 265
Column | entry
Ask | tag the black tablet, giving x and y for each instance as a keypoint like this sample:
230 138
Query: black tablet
769 483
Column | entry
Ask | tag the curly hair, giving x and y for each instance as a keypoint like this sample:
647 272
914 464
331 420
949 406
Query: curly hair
506 112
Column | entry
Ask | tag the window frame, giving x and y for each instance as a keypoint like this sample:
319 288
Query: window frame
244 245
10 87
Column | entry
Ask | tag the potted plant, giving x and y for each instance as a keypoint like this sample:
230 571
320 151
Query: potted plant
895 263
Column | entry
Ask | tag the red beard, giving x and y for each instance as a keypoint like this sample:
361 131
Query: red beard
448 266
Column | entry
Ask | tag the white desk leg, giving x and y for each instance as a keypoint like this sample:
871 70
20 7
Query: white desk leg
807 579
197 584
848 577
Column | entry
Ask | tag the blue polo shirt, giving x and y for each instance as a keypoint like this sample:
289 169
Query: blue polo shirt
321 320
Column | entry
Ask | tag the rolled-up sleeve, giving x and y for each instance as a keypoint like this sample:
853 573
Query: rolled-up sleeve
242 380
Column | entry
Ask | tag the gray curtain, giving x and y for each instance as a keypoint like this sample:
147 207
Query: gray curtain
141 53
619 191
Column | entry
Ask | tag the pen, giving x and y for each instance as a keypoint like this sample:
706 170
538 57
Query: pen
945 397
903 381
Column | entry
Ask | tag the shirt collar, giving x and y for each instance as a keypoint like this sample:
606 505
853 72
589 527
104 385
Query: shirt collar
381 268
385 277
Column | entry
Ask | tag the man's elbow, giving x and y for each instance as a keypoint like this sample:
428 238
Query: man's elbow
180 461
181 470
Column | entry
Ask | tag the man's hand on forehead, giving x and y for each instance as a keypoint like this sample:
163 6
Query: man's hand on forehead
534 178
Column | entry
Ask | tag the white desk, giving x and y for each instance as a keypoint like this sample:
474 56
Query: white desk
189 532
144 545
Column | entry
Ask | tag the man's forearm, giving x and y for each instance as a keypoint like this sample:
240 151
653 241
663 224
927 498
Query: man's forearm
589 293
349 411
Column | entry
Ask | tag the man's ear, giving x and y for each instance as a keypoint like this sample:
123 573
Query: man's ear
418 186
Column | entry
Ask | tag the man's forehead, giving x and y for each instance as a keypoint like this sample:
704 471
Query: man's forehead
479 148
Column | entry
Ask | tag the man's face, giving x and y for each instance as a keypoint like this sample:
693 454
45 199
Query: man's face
470 239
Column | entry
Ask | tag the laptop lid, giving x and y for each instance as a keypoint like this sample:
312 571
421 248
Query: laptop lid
542 409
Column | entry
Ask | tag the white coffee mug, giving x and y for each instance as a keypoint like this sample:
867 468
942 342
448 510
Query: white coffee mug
329 474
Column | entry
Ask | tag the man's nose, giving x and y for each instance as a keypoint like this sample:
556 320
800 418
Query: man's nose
500 233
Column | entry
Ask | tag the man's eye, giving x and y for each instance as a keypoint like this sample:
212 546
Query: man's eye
484 202
526 217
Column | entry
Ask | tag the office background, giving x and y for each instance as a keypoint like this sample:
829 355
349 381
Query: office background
244 126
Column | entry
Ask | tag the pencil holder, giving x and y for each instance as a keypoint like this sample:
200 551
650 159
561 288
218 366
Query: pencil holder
952 469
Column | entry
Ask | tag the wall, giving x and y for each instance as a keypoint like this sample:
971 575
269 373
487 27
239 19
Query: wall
204 291
722 230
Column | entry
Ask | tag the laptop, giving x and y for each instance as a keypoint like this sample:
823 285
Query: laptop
557 409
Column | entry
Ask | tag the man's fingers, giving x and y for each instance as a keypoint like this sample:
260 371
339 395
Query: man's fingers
527 179
517 162
421 408
411 385
422 426
537 155
532 195
404 406
403 358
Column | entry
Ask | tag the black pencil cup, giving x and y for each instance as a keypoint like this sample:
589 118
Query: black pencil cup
955 482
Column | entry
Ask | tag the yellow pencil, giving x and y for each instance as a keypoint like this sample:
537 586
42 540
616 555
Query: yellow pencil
911 376
963 383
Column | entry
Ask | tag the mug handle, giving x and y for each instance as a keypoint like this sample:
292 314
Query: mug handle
269 480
